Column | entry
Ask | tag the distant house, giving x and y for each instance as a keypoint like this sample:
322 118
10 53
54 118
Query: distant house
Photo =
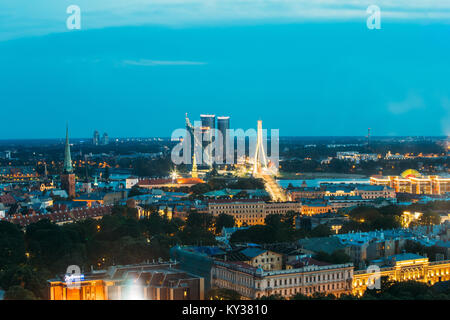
172 183
255 257
105 198
59 193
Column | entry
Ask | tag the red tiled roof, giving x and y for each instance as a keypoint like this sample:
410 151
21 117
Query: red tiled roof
62 216
7 199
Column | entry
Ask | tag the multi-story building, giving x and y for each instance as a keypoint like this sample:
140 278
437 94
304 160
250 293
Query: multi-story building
414 183
223 125
96 138
341 202
251 211
315 208
255 257
402 267
374 192
106 198
355 156
105 139
208 133
61 217
252 283
18 174
306 193
149 281
5 155
366 191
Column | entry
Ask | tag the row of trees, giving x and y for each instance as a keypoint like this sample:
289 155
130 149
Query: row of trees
389 217
278 228
388 167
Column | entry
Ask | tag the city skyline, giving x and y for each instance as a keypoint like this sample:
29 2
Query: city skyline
206 151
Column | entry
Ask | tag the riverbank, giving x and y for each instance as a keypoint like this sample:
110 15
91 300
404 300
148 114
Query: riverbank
318 175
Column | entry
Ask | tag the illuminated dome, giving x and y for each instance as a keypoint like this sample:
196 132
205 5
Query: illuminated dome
410 173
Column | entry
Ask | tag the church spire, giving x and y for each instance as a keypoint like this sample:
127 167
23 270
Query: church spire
194 173
67 157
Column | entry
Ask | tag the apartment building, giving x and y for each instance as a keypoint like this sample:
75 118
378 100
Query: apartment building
251 211
253 282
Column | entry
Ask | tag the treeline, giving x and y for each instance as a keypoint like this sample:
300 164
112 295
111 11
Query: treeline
320 150
219 183
387 167
277 228
28 258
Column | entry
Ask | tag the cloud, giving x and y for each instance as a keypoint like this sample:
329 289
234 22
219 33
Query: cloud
150 63
25 17
412 102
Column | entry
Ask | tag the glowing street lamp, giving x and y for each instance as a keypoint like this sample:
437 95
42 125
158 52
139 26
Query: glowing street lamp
174 175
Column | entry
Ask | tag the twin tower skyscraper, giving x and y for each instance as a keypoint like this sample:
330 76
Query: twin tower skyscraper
208 134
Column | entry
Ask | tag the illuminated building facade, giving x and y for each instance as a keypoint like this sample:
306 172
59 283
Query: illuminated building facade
151 281
251 211
252 283
315 208
404 267
62 216
169 183
306 193
18 174
68 177
366 191
102 198
415 184
255 257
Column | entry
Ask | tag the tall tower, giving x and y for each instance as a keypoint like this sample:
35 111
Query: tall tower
105 139
208 135
260 160
194 172
96 138
67 156
223 125
68 177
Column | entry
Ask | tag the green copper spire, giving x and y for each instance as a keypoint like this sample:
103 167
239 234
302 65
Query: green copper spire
67 157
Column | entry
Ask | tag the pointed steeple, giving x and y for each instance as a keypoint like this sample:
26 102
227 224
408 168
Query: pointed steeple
67 157
194 173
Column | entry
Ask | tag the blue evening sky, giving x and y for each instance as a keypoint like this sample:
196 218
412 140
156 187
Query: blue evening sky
136 67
